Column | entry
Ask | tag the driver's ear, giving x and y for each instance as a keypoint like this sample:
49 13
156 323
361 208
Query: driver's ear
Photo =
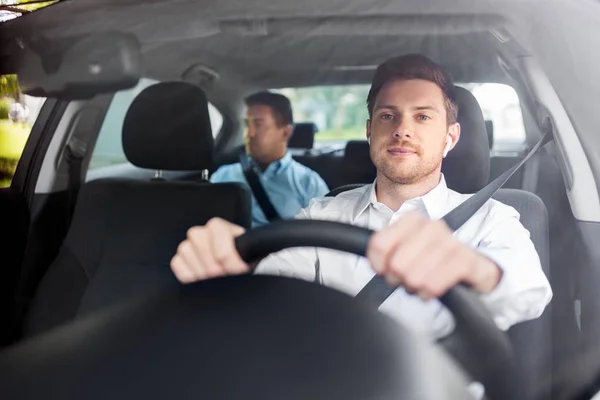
369 131
452 137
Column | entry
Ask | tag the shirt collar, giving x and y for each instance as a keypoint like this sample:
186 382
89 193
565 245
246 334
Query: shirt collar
275 166
433 201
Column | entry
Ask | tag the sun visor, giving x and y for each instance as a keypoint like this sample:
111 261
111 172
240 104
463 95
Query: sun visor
80 67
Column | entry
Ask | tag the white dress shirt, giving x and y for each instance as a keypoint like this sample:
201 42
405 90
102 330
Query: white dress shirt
495 231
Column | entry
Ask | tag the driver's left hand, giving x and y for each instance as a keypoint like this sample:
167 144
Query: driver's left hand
423 256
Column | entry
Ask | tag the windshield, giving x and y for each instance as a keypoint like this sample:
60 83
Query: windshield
287 85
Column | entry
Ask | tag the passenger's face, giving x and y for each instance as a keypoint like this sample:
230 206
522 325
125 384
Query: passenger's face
264 138
409 131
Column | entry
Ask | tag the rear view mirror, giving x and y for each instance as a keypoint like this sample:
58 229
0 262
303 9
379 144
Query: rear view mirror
80 68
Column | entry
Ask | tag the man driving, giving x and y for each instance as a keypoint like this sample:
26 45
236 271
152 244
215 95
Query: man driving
286 185
412 126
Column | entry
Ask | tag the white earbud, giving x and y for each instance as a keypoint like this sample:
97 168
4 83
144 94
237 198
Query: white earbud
447 148
369 140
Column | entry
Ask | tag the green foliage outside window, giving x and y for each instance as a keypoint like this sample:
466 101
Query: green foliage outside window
14 127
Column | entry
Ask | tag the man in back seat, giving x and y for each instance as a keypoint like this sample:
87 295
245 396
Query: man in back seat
412 126
289 186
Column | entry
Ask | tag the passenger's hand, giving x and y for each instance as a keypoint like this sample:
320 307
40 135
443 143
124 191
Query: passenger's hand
423 256
208 252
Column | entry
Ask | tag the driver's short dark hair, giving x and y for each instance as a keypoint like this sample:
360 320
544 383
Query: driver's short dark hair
414 66
281 106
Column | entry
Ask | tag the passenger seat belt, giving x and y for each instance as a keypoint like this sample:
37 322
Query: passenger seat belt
74 153
85 125
376 291
259 191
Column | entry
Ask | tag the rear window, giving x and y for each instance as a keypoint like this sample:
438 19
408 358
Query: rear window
109 147
340 112
500 106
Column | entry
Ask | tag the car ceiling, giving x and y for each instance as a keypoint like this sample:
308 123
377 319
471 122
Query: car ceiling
260 44
286 43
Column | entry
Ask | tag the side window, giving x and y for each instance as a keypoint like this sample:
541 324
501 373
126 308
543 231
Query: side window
109 147
216 119
502 112
18 113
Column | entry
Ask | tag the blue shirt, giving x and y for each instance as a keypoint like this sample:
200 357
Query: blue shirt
289 185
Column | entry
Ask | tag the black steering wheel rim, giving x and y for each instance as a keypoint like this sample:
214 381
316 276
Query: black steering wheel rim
264 336
476 343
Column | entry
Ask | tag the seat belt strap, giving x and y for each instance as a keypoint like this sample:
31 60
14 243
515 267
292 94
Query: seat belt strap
86 125
259 191
376 291
461 214
74 153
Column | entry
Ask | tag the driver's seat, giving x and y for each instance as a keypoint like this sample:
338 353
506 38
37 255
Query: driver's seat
125 231
467 170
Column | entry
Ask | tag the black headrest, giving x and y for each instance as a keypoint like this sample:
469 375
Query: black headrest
357 152
467 166
489 127
303 136
167 127
357 162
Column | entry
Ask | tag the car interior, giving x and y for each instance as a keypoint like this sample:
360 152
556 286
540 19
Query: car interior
80 238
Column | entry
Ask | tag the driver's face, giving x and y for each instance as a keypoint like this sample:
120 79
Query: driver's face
409 130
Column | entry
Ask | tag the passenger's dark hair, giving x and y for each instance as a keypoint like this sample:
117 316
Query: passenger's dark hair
281 106
414 66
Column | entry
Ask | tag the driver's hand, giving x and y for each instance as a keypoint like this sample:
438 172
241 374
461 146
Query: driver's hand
208 252
423 256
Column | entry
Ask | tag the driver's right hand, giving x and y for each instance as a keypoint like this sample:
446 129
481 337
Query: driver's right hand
208 252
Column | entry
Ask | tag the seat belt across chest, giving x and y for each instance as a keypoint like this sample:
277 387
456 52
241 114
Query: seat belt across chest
258 191
376 291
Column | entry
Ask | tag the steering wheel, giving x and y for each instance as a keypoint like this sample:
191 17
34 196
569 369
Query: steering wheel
261 336
476 343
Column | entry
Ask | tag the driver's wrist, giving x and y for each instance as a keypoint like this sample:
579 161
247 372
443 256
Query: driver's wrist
486 274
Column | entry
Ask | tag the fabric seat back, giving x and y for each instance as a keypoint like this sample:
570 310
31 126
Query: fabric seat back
532 340
124 231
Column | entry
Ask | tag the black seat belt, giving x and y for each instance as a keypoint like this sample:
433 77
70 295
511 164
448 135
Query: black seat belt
74 153
86 124
376 291
259 191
